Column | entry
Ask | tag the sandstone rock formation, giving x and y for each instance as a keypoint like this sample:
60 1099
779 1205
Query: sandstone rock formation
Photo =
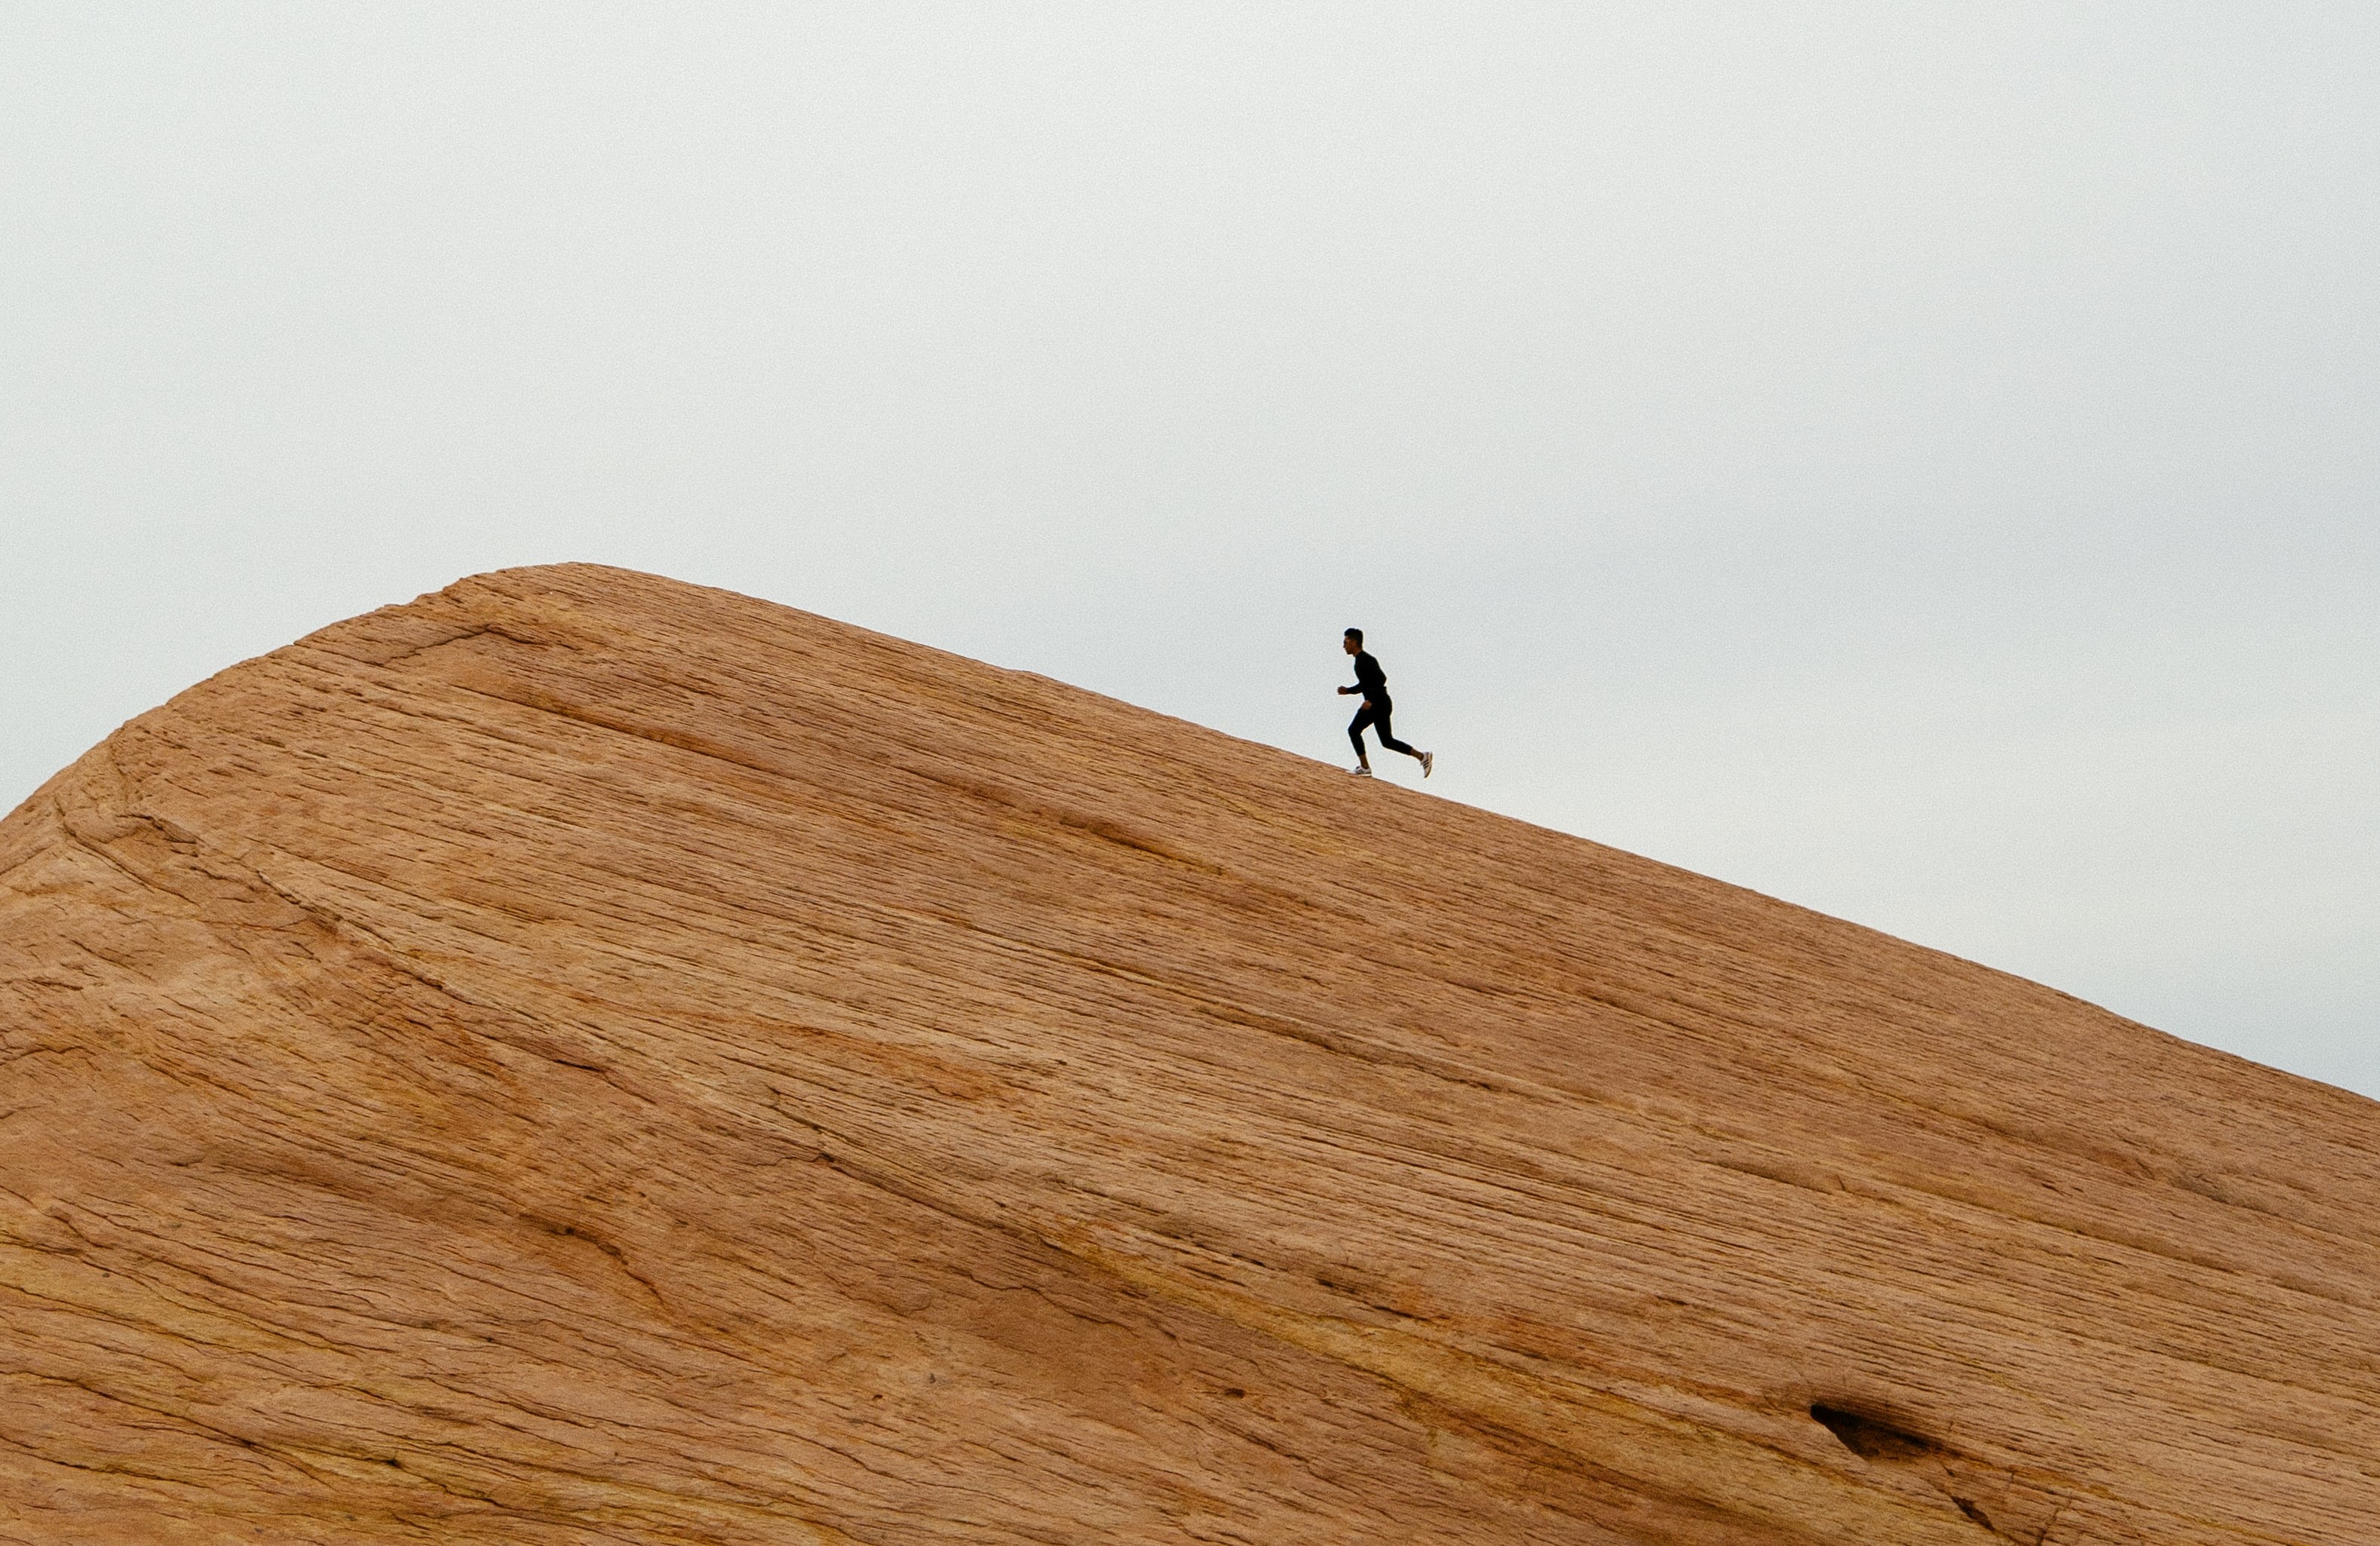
584 1058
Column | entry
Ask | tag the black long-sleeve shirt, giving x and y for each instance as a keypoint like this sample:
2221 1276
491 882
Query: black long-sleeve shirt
1370 680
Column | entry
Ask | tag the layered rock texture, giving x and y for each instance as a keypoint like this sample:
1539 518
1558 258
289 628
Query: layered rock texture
584 1058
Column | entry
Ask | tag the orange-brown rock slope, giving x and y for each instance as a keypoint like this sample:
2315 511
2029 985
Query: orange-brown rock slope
585 1058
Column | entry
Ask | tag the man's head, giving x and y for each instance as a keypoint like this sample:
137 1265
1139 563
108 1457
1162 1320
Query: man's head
1354 642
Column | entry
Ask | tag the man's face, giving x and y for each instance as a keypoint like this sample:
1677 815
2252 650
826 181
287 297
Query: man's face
1350 645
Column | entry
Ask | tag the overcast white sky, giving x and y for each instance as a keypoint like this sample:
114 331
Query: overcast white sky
1915 461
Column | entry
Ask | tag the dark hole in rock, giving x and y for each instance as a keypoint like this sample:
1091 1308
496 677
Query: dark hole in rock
1883 1443
1872 1438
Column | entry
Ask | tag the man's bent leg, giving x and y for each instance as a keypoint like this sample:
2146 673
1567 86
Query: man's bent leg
1388 741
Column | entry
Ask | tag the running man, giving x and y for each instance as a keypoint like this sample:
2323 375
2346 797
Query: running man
1373 682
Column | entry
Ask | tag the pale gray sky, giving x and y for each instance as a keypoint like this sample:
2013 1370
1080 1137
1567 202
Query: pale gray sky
1915 460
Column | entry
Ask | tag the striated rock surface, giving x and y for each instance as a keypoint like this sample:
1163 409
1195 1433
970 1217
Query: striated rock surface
584 1058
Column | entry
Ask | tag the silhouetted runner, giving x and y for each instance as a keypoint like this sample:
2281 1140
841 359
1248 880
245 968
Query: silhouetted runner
1373 682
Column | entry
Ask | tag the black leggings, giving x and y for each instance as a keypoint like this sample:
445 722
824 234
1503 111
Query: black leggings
1377 715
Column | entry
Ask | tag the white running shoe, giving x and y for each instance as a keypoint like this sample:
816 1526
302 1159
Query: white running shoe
1363 772
1427 758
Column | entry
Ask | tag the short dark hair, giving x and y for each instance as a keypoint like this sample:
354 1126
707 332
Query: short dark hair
1356 634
